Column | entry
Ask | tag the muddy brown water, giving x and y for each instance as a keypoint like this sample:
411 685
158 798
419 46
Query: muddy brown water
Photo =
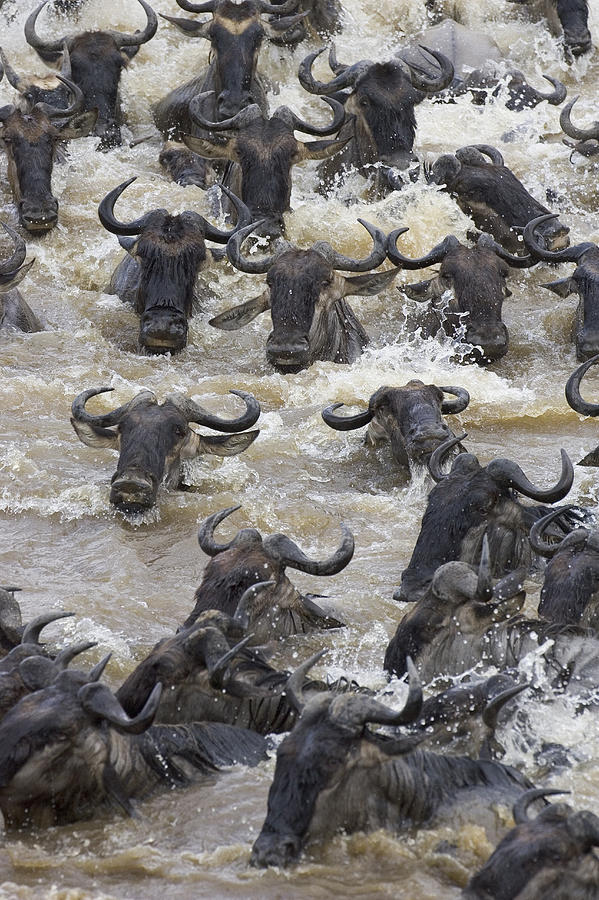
130 582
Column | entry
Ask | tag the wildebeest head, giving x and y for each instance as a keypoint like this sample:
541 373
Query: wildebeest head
170 251
410 417
549 856
153 439
571 584
56 756
476 276
314 755
41 89
29 141
305 295
97 59
248 559
497 201
584 281
587 138
235 32
469 501
265 149
459 603
381 100
12 270
575 400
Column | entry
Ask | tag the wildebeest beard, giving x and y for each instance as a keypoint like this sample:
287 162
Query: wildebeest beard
266 151
169 255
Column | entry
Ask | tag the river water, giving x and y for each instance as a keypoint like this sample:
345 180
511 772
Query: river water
131 581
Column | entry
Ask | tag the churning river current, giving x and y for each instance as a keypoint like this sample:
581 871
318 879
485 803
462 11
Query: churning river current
130 581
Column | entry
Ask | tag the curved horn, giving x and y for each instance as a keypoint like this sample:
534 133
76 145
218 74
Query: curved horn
579 134
360 710
338 119
345 423
256 266
44 48
31 632
453 407
439 453
206 531
99 700
509 473
434 256
9 266
57 112
239 120
536 536
492 152
573 395
244 218
528 797
347 263
484 584
139 37
494 706
15 80
98 670
80 414
197 7
217 669
67 655
289 554
516 262
346 78
295 682
423 82
570 254
106 212
554 97
241 616
193 412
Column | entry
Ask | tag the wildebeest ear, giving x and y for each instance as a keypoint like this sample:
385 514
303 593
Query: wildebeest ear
562 287
15 279
370 283
320 149
422 291
128 53
226 444
94 436
211 150
238 316
80 126
128 243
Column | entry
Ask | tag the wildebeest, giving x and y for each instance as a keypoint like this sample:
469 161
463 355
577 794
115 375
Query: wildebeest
235 32
311 318
568 18
204 679
69 750
463 622
158 276
380 123
30 141
154 439
265 149
478 66
40 89
97 59
334 774
476 276
570 591
587 139
14 311
584 281
490 193
249 558
323 18
13 634
471 501
551 856
575 400
409 417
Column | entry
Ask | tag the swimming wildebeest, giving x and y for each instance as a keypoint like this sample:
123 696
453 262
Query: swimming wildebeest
579 405
153 439
14 311
97 59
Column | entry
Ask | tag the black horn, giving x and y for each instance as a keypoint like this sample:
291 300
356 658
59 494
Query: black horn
284 549
573 395
345 423
509 473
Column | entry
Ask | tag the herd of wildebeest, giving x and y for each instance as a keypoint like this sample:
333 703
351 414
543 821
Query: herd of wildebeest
207 696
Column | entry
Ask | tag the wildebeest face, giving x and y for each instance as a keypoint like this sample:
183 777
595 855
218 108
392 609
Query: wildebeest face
411 417
153 439
383 102
236 35
96 65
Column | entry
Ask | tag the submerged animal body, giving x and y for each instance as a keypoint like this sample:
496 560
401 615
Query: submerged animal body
14 311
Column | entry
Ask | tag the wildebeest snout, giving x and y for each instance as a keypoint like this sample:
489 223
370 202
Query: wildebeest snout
39 215
133 492
288 347
162 331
